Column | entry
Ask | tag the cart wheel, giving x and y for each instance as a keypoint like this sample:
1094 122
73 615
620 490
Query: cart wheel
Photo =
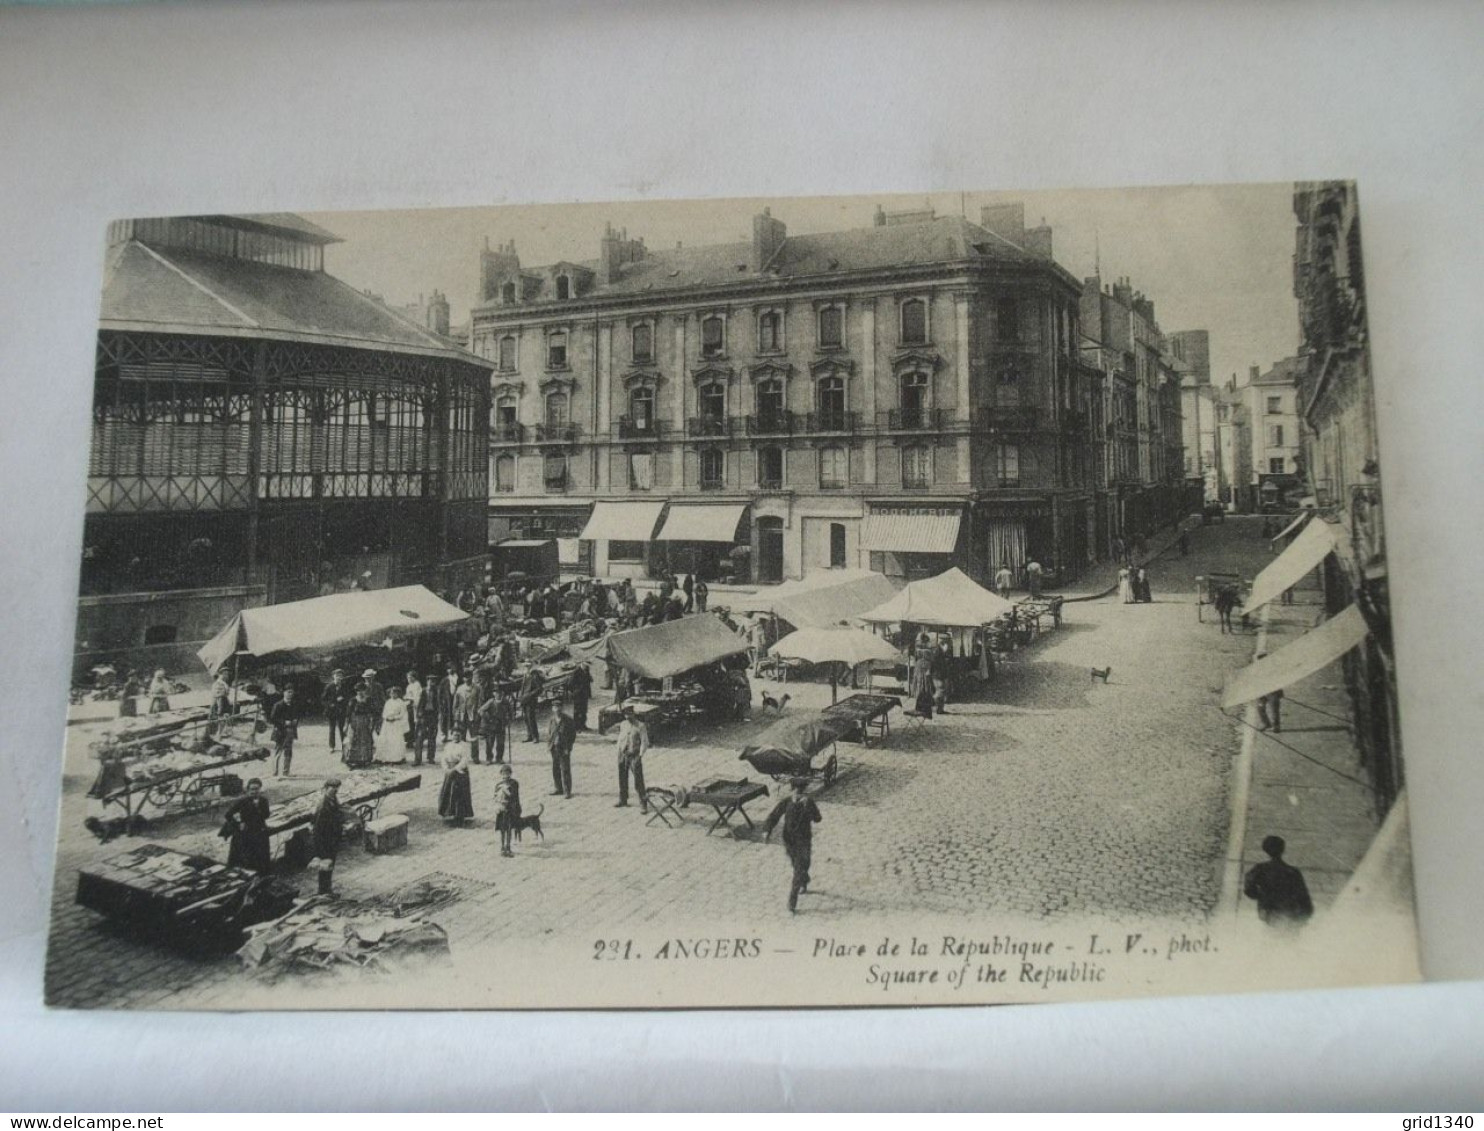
365 813
831 769
162 794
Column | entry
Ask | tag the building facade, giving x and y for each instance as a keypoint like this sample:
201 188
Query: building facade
1342 464
1233 448
1144 456
1277 448
1192 352
899 397
263 432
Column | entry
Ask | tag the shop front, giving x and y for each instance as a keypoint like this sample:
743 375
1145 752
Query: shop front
700 538
621 535
914 541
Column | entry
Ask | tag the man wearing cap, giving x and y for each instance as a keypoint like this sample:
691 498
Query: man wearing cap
326 831
561 733
1278 887
530 698
285 721
633 741
336 704
799 815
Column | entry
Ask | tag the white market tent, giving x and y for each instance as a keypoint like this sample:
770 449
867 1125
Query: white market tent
296 629
949 600
821 599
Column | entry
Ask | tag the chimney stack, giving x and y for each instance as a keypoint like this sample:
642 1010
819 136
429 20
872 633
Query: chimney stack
768 235
1253 372
438 313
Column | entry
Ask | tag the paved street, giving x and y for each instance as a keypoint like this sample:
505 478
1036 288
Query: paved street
1050 796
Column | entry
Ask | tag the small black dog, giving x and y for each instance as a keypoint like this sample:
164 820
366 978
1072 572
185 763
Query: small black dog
530 821
1101 673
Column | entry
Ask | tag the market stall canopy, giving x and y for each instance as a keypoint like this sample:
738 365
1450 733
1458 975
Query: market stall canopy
917 532
663 650
824 598
793 742
1306 655
950 600
622 522
833 645
702 522
1286 570
297 629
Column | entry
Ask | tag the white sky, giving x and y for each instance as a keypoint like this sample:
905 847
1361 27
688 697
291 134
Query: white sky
1212 258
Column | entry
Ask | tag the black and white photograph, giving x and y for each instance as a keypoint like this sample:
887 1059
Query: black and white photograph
962 598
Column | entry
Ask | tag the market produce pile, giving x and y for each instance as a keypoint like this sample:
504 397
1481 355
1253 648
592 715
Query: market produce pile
327 933
357 788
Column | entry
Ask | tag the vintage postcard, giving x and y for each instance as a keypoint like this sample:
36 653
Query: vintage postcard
802 602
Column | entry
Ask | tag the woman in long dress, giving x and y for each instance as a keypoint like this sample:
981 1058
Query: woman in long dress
360 749
246 824
456 799
391 743
1125 586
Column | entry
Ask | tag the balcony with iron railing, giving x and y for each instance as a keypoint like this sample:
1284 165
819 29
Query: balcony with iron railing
713 483
709 427
507 432
911 420
778 423
770 482
831 420
566 433
634 428
1006 418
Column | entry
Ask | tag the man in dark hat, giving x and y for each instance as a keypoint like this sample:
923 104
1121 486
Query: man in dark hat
561 733
1279 888
326 831
336 704
799 815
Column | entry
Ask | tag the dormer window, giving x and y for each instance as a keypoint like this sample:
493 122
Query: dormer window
563 287
556 351
914 322
507 293
643 342
769 332
713 336
831 328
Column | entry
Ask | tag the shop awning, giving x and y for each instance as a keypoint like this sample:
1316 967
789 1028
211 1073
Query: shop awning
716 522
1286 570
950 600
1305 656
675 646
623 522
1291 527
912 532
296 630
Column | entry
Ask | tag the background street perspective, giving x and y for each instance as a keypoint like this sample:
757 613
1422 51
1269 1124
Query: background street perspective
904 525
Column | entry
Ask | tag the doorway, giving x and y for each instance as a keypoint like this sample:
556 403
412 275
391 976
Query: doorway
770 550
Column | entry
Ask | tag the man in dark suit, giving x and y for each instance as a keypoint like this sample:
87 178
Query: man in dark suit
1278 887
581 686
561 733
799 815
326 832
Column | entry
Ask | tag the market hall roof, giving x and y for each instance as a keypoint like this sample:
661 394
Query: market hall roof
174 290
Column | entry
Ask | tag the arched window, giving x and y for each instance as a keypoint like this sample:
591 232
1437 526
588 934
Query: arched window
917 466
914 399
713 469
641 409
564 287
837 545
831 396
770 468
556 351
713 403
914 322
507 293
833 468
643 342
831 328
713 336
770 405
507 353
505 473
769 332
556 408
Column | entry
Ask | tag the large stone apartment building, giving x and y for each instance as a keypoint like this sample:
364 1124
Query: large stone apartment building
901 397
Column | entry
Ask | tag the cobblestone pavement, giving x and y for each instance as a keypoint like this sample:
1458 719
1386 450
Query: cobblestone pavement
1048 795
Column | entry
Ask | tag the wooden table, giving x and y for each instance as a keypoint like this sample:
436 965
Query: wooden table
869 713
728 798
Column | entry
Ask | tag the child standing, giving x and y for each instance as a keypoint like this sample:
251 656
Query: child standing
507 807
